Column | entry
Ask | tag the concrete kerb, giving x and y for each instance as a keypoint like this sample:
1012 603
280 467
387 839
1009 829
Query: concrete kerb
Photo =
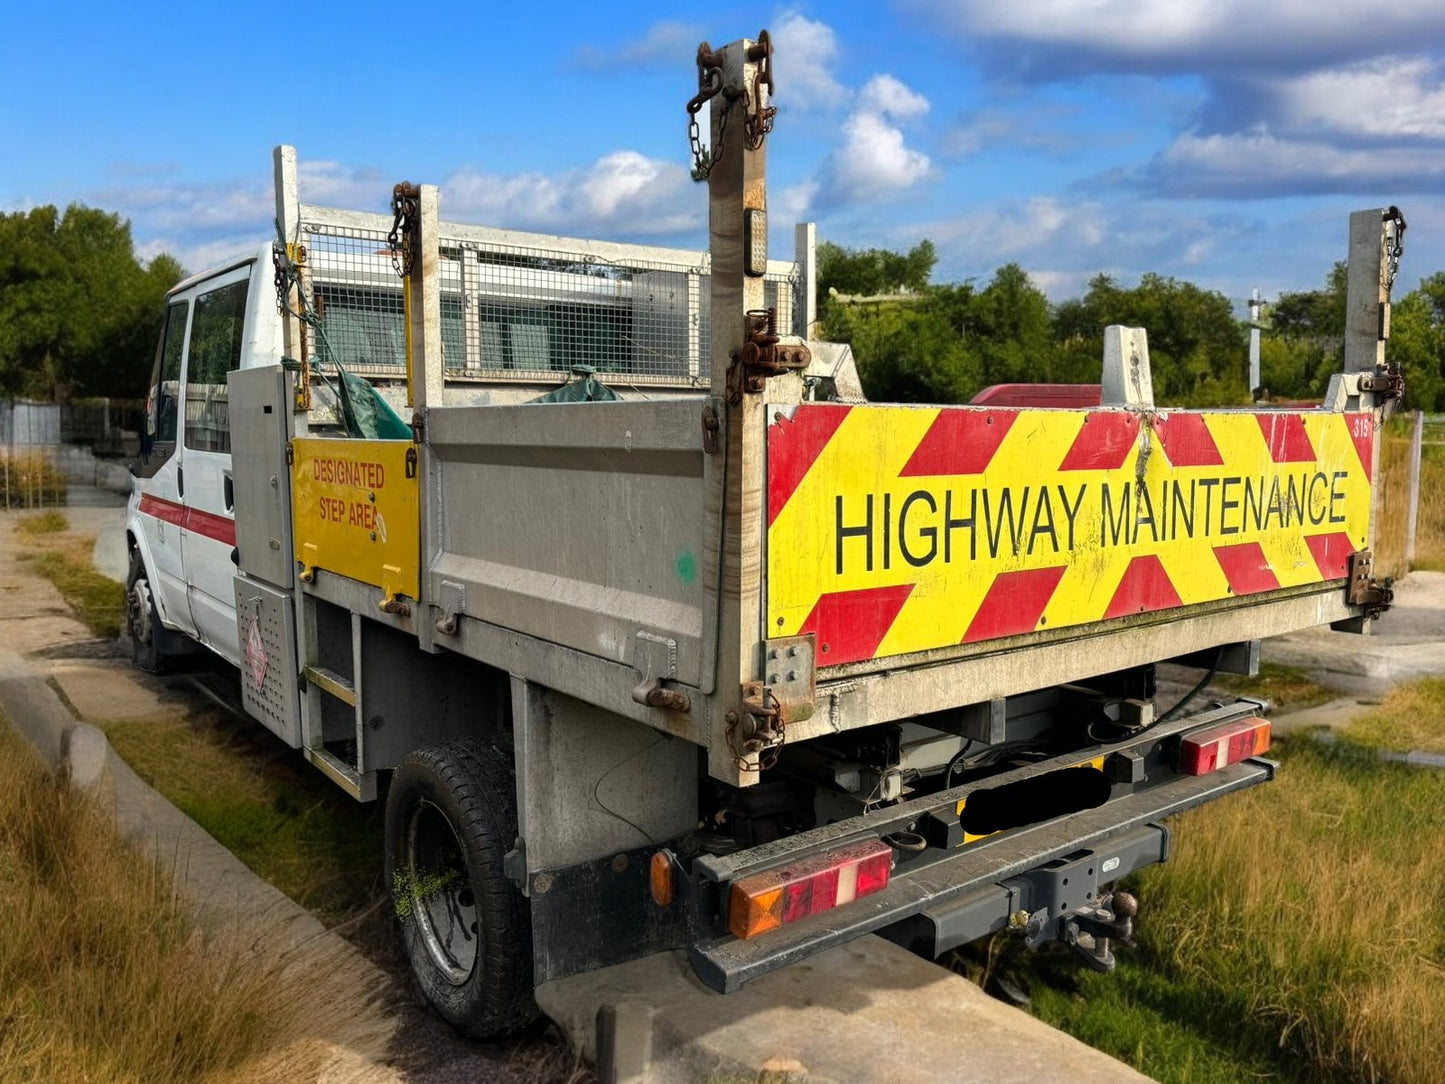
229 898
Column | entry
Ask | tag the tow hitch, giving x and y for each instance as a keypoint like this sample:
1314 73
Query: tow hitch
1090 931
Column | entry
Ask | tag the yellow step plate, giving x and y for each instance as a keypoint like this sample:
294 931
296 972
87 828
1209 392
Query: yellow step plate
354 509
900 529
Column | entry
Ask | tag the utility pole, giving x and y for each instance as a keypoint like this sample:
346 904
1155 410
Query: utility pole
1256 392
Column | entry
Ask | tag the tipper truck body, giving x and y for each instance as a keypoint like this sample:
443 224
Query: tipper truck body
704 650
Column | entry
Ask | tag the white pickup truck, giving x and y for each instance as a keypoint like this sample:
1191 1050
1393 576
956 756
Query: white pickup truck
654 634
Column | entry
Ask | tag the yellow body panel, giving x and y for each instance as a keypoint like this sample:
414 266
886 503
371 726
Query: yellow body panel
354 506
899 529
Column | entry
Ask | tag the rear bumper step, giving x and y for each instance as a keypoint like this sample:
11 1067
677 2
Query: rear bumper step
974 891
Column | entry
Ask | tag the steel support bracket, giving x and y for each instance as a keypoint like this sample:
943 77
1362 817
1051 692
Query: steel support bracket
1363 589
655 658
1386 383
790 671
452 600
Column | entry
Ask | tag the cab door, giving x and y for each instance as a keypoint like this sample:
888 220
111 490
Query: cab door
209 537
159 496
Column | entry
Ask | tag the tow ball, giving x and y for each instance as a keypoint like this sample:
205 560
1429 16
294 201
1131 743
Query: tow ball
1089 931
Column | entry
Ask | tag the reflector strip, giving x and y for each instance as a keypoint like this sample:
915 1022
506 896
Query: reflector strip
1208 750
809 886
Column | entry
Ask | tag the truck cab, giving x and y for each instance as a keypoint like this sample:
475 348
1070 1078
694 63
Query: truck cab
180 525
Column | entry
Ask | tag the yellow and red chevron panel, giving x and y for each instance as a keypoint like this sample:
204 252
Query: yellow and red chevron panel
895 529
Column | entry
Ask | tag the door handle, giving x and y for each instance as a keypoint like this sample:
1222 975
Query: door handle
181 482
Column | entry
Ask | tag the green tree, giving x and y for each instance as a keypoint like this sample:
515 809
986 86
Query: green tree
871 271
79 315
1417 343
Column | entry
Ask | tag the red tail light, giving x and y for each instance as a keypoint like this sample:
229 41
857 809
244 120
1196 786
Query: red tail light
818 883
1208 750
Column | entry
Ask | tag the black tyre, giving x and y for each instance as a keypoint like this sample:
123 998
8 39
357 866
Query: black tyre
142 621
451 817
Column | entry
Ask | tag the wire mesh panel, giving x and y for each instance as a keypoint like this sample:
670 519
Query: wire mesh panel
357 294
513 312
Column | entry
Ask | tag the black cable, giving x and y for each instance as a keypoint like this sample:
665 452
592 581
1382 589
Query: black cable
1192 693
954 762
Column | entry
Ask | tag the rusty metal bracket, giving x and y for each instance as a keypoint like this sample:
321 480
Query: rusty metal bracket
1387 383
655 658
711 424
791 676
765 354
1376 596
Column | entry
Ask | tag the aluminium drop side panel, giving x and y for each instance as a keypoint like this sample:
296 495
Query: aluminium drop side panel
581 524
907 536
260 427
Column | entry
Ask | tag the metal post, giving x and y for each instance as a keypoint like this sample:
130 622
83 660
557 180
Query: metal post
288 218
805 255
1367 296
736 188
1255 380
429 386
1417 441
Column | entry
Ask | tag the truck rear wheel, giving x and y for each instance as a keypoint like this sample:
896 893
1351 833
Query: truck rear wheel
142 621
451 817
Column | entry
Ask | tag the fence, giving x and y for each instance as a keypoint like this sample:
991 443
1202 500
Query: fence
523 306
1410 531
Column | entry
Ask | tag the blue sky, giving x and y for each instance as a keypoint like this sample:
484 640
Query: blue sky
1219 141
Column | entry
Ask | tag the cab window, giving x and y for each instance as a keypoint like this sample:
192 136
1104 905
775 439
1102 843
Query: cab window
163 406
215 350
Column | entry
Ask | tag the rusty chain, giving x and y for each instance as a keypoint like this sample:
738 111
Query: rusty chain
404 198
757 123
760 121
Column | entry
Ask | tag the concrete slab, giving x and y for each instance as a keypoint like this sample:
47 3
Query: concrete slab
866 1011
106 690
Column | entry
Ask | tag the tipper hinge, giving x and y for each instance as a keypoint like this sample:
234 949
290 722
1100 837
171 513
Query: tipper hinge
1364 590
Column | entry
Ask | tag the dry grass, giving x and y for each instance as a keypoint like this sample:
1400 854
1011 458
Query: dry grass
1411 717
1296 933
1390 528
63 558
28 480
51 522
102 975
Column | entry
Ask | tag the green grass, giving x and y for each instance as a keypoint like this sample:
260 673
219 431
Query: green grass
1287 688
1295 934
63 558
98 601
102 974
51 522
266 805
1411 717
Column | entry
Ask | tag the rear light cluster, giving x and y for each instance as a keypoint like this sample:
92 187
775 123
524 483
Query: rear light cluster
808 886
1208 750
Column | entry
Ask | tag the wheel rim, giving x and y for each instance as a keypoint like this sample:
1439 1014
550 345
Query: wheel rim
439 893
141 608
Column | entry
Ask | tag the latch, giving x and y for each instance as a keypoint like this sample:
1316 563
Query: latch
452 600
1374 595
1386 383
655 658
711 423
788 695
765 353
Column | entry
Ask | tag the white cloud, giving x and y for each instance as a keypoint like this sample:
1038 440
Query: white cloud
872 162
888 96
1257 164
1387 97
623 193
1197 35
804 55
